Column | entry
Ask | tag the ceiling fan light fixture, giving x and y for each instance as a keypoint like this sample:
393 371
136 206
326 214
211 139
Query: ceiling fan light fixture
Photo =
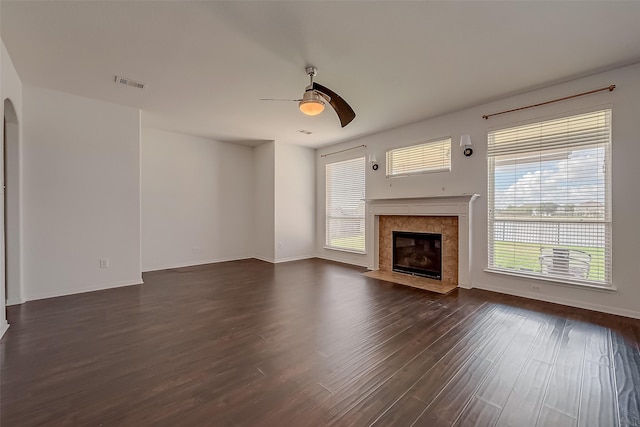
317 96
311 108
311 104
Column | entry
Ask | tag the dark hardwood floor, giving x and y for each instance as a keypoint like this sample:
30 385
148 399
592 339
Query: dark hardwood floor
312 343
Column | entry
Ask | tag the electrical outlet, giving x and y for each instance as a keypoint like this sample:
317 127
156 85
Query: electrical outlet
196 250
535 288
104 262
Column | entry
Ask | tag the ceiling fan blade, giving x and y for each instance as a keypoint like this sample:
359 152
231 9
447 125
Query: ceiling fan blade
344 111
278 99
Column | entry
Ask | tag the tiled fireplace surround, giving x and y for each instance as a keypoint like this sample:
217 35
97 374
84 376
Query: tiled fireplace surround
422 214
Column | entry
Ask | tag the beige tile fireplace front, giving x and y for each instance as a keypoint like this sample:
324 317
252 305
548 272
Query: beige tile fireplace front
445 225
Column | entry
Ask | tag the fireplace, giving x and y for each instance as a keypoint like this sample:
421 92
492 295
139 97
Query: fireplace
418 253
449 216
446 227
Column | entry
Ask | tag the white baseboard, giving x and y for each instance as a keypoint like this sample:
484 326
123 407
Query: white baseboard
548 298
182 264
216 260
342 260
265 259
293 258
15 301
73 291
3 328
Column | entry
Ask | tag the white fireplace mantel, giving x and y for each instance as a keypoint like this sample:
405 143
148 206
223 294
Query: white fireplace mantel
457 205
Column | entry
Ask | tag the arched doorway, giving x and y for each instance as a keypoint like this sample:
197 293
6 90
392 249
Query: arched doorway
11 204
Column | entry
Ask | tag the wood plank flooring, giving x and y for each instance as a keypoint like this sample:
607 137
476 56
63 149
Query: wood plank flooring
410 280
312 343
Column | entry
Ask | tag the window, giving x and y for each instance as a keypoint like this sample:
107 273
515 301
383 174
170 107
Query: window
434 156
345 205
550 199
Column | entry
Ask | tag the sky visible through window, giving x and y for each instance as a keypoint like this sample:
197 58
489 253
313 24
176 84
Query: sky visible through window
550 202
576 179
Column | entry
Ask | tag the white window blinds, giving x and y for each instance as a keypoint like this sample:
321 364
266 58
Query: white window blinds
345 187
434 156
550 199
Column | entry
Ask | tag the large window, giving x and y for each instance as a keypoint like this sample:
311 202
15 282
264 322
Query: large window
433 156
345 205
550 199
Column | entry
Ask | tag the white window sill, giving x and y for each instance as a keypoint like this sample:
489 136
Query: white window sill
555 281
351 251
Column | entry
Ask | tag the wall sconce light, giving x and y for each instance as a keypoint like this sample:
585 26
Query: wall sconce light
465 141
373 161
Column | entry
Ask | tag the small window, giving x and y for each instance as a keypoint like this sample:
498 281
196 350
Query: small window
345 187
433 156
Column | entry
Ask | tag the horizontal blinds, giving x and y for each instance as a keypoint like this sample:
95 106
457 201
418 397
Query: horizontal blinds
549 198
568 132
345 188
428 157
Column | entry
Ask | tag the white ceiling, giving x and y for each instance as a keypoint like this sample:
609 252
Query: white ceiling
207 63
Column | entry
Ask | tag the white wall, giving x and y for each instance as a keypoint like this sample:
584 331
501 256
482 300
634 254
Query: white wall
12 91
3 311
294 202
81 160
264 201
207 201
197 200
469 175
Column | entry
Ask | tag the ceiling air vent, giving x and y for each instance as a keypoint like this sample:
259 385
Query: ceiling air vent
128 82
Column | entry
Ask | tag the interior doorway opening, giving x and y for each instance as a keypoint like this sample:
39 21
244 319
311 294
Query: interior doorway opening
11 205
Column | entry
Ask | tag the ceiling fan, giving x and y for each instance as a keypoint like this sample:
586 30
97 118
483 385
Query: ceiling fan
315 96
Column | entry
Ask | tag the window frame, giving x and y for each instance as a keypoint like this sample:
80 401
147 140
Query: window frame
390 151
607 283
327 242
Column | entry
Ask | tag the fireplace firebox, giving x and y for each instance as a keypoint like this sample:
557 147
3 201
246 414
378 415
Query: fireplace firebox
418 253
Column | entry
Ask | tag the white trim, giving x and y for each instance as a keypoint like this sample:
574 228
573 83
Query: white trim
293 258
281 260
454 205
3 328
140 191
182 264
15 301
72 291
265 259
351 251
571 303
465 285
342 260
554 281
